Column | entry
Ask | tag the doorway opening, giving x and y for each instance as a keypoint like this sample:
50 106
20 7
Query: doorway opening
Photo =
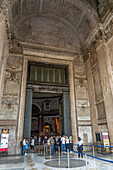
46 114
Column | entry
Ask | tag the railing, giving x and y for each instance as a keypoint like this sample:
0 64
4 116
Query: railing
86 155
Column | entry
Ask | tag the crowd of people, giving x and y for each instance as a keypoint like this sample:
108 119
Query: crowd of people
64 142
51 144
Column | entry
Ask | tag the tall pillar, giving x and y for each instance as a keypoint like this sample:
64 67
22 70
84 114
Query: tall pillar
28 113
107 83
66 109
40 124
93 110
60 118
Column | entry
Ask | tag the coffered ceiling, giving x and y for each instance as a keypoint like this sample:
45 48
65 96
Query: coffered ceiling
57 23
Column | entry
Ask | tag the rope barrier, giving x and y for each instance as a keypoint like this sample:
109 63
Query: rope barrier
105 160
98 146
101 159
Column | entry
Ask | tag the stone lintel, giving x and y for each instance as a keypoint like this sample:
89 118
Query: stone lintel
43 48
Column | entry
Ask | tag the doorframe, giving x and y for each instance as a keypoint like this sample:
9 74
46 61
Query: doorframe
32 53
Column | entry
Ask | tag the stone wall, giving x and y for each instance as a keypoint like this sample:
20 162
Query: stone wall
100 76
3 55
11 98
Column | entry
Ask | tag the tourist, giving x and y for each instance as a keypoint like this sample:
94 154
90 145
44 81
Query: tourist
71 143
35 143
45 143
63 144
39 140
32 143
26 146
48 143
80 147
67 143
57 144
52 142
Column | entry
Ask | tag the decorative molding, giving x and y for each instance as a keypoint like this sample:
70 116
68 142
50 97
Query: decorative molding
97 39
109 30
8 123
5 13
86 54
104 8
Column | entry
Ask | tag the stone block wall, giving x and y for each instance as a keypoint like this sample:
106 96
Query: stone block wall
10 100
3 55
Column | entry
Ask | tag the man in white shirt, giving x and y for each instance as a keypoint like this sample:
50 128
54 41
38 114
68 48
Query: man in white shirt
63 144
32 143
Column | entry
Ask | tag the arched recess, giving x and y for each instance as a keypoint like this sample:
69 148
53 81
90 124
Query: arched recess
35 110
38 22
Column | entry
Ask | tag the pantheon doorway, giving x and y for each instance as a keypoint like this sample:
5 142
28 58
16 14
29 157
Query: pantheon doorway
47 106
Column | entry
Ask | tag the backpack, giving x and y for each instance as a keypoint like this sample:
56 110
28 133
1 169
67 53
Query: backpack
21 143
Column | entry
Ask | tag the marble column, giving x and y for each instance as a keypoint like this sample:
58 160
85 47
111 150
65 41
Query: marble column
28 113
107 83
66 109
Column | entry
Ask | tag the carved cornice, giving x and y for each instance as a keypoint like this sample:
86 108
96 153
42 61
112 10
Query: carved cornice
104 7
98 38
109 30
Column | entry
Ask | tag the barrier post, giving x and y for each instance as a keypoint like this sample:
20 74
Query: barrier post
68 159
59 154
86 160
93 150
41 148
50 151
44 151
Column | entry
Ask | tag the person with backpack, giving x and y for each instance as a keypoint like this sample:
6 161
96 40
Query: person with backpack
24 146
80 147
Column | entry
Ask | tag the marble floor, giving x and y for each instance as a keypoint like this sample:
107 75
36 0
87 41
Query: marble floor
34 161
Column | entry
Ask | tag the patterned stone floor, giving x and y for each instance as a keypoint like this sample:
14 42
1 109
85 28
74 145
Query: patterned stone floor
34 161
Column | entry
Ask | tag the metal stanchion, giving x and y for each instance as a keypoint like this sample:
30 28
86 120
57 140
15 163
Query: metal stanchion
41 148
50 151
44 151
59 154
86 160
68 159
93 151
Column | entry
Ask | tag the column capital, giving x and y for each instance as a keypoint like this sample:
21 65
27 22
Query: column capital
65 90
29 88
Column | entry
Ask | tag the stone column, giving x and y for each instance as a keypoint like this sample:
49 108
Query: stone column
28 114
60 117
40 123
72 102
66 109
107 83
93 110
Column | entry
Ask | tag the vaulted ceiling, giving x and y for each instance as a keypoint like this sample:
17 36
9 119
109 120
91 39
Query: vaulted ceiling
57 23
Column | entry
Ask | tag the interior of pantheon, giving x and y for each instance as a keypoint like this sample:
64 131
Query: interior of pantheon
56 69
